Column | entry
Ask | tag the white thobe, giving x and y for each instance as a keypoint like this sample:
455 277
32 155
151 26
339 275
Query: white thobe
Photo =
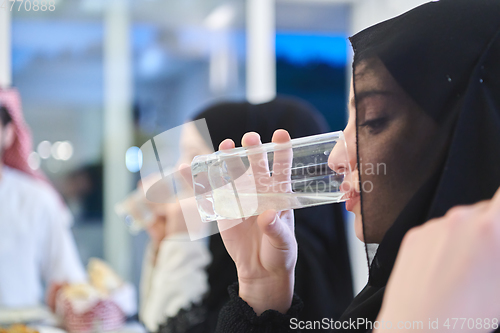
36 244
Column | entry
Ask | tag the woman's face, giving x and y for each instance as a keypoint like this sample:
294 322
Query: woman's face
353 203
399 148
192 144
168 217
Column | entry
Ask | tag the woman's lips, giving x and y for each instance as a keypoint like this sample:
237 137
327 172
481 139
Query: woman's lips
352 200
351 195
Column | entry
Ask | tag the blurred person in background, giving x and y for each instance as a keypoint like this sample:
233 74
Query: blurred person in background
82 190
174 276
36 244
323 271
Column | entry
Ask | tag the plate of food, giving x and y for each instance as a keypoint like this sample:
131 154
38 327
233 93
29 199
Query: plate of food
18 328
9 316
21 328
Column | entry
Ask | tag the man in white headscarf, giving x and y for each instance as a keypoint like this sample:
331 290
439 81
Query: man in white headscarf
37 248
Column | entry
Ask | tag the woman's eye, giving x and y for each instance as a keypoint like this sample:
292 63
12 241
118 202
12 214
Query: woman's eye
375 126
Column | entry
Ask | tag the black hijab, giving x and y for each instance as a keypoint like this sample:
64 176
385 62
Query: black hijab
323 275
440 63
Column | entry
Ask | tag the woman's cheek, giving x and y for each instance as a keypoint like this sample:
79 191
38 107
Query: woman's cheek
355 179
358 225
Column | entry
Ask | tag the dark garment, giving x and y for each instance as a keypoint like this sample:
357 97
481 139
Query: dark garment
323 273
238 316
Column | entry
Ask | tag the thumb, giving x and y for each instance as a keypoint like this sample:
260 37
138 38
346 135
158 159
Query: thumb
277 231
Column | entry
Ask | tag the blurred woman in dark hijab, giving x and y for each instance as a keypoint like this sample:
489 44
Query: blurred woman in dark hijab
323 272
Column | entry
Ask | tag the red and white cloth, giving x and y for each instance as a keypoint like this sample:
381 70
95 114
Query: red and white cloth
97 312
17 155
105 315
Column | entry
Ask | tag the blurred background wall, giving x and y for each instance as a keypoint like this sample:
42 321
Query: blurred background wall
100 78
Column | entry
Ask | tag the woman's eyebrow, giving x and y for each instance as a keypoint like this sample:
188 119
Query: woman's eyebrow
358 97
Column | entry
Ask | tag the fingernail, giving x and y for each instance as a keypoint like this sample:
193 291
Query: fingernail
274 221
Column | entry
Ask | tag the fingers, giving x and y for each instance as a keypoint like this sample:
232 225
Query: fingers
258 160
226 144
235 166
250 139
241 184
277 231
281 136
282 164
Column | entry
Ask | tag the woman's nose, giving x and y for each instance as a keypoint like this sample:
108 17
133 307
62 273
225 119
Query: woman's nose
342 158
338 161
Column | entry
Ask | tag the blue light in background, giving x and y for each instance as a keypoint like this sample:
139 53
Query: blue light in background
32 38
302 48
133 159
51 39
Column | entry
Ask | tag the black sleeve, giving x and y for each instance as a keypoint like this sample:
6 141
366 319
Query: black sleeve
190 320
238 317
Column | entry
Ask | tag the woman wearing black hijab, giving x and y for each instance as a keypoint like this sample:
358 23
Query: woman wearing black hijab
323 274
426 107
